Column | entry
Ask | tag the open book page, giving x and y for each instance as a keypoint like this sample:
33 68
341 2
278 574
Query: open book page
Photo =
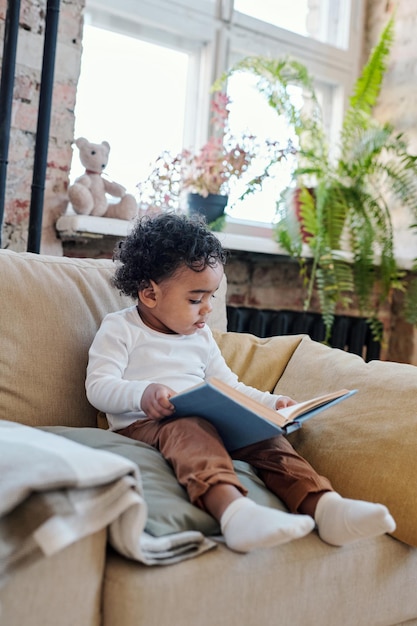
290 413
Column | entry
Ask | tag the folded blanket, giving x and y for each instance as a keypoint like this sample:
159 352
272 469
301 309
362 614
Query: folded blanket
54 491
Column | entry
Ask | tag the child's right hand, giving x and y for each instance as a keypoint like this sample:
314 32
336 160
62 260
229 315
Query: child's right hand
155 401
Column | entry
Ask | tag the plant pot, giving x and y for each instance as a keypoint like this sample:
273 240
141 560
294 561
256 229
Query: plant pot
212 207
305 234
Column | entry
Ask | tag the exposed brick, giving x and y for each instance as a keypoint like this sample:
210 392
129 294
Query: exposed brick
17 211
64 95
26 87
24 116
70 25
32 16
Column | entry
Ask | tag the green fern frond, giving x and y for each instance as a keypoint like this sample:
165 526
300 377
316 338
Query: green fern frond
410 307
401 174
343 276
376 327
308 214
362 246
288 234
390 276
369 211
368 86
335 211
333 282
363 148
292 245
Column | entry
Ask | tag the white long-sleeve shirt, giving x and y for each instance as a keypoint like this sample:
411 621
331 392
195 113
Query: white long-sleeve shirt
126 356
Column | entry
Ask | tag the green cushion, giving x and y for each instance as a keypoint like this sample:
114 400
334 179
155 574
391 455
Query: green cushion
169 509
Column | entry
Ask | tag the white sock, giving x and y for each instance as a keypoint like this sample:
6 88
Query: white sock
246 525
341 521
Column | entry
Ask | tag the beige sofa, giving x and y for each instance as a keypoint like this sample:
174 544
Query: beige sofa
50 310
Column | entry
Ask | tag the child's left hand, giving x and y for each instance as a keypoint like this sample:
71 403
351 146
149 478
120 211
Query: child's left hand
284 401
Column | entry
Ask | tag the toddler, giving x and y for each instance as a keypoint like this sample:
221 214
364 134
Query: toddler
172 266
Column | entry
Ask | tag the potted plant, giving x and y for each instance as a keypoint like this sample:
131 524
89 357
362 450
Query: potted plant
343 237
206 176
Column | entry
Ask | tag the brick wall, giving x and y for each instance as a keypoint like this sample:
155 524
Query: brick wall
24 119
398 100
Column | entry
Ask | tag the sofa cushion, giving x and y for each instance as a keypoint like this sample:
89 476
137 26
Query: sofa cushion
367 445
301 583
169 509
258 362
51 309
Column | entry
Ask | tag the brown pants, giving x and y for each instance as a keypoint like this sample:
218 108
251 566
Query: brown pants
199 459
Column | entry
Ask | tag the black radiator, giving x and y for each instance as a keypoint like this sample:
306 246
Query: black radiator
352 334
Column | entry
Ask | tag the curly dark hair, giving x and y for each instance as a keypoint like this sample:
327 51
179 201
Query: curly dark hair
159 245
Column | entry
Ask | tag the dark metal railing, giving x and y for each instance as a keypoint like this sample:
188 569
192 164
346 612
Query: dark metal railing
43 125
44 113
11 30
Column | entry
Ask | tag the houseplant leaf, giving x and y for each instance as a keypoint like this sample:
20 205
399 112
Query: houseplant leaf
344 240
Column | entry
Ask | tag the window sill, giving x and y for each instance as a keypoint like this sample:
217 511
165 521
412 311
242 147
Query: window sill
73 227
239 236
236 236
250 243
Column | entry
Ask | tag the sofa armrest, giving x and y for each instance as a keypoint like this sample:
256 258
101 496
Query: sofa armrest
63 589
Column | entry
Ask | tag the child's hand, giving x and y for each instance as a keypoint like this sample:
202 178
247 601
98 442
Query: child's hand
283 402
155 401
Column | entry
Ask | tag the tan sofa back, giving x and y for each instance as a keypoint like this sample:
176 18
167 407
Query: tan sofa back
51 308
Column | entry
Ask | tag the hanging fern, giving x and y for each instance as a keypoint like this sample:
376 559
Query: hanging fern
352 195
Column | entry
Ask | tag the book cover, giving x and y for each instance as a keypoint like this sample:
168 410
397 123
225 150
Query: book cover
241 420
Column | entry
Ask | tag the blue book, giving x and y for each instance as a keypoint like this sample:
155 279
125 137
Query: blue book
240 420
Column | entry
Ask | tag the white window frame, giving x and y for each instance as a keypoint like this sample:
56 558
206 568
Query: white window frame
215 35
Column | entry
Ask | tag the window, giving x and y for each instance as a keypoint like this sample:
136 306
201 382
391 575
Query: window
324 20
147 69
139 108
258 118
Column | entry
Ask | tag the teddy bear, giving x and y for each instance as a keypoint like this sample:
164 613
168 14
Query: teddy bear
88 193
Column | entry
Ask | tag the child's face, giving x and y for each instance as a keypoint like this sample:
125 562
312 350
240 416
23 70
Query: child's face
180 304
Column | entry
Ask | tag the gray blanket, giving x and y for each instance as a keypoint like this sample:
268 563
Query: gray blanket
54 491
